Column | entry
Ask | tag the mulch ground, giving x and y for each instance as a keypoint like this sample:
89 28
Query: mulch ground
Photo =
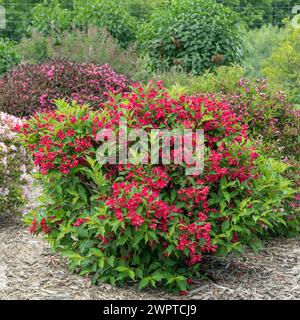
28 270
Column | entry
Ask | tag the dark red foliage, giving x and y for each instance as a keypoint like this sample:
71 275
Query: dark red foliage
29 88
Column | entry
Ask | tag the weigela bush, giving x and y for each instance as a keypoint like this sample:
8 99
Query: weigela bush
144 222
270 115
276 123
30 88
14 167
272 119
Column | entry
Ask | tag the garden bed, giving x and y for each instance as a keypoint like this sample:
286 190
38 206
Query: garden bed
28 270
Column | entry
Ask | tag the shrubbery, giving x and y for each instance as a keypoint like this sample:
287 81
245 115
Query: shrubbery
29 88
92 46
51 18
283 67
14 167
270 115
151 223
191 36
259 45
8 55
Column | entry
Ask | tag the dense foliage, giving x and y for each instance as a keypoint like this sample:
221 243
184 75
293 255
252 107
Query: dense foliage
30 88
259 45
8 55
283 67
17 17
72 75
15 167
52 18
49 17
268 111
151 223
92 46
191 36
256 13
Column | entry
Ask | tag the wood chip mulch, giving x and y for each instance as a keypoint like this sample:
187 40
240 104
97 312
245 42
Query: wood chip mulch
28 270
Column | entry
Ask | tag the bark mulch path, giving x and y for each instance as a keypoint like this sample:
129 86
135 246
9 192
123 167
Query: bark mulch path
28 270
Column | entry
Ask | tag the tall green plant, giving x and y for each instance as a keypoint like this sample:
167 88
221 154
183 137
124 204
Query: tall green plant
283 67
259 45
8 55
191 36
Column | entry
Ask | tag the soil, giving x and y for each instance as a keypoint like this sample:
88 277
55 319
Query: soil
29 270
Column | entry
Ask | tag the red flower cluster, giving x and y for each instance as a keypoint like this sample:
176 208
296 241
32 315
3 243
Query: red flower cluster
175 211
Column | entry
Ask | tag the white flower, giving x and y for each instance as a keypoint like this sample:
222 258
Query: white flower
4 162
13 148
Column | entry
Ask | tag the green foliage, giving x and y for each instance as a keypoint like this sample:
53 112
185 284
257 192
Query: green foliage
92 46
108 14
254 217
272 119
191 36
267 110
51 18
283 67
142 9
256 13
259 45
89 211
35 49
223 79
8 55
18 15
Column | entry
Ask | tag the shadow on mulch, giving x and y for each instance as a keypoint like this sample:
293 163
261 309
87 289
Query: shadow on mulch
9 220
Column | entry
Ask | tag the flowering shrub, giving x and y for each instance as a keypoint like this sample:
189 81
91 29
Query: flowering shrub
267 111
269 114
30 88
14 166
150 223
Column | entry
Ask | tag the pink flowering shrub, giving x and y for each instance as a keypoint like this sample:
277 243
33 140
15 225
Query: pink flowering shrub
269 115
149 223
30 88
14 167
274 121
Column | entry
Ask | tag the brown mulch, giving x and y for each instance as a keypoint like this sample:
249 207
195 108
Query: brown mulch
28 270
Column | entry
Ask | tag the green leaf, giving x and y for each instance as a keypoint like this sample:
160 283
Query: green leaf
225 226
144 282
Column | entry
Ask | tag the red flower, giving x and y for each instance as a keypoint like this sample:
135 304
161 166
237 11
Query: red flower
183 293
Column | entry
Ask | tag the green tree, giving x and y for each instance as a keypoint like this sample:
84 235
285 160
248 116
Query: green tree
256 13
191 35
283 67
18 15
